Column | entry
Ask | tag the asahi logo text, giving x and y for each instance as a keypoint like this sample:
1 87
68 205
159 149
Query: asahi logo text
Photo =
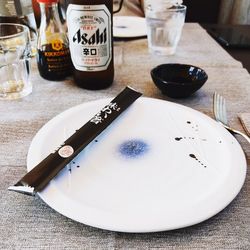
95 39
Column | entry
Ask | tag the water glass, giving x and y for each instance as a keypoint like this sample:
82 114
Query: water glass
15 53
164 26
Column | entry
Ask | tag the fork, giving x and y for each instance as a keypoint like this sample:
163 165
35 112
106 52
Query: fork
220 114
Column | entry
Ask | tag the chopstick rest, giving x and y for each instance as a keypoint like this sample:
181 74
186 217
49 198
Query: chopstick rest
36 179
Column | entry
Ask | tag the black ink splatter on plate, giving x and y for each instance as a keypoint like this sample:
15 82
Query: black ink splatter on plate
194 157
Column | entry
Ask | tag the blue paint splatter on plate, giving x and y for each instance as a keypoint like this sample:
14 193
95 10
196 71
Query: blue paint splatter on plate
133 148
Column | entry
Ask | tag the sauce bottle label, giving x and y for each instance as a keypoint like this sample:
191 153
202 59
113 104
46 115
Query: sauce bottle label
89 31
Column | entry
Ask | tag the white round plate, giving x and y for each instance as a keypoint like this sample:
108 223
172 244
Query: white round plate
129 26
159 166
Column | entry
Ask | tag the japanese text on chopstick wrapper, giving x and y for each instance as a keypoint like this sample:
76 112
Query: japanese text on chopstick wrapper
104 113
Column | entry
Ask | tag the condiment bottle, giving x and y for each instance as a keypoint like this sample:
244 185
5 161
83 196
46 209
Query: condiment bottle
53 55
91 42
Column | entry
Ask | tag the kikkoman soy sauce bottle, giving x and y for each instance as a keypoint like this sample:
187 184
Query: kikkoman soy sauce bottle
91 42
53 55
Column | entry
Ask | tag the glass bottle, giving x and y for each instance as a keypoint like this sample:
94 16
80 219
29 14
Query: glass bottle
53 55
91 42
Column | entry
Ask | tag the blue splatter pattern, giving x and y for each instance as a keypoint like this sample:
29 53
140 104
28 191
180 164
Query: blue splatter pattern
133 148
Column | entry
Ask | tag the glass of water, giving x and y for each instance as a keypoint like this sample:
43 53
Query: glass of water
164 26
15 53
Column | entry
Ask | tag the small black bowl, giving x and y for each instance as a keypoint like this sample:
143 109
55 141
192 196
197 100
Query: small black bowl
178 80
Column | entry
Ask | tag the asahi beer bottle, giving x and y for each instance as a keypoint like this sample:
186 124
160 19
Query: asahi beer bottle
91 44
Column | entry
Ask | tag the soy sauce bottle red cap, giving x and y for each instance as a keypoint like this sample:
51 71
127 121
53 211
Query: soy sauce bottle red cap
47 1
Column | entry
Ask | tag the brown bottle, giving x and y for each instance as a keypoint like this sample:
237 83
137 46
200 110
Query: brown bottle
91 42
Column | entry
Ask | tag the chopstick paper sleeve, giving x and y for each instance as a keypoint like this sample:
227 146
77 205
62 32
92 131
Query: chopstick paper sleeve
35 180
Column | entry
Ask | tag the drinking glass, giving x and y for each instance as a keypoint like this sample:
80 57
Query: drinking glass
164 26
15 53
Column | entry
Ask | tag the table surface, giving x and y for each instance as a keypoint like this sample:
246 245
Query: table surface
28 223
241 54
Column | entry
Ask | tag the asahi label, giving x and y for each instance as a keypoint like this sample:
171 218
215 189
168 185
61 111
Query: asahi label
89 30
